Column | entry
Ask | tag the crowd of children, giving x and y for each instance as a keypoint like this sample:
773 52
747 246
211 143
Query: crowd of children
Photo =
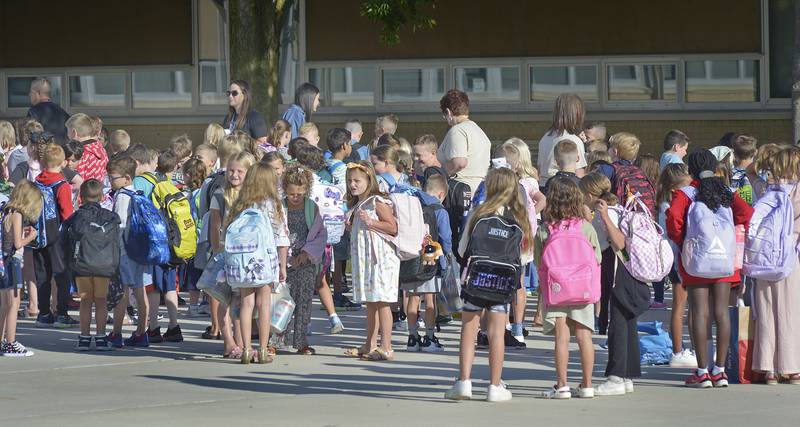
129 227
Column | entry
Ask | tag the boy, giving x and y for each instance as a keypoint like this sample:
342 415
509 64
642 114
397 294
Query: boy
207 154
121 172
566 156
383 125
93 289
426 164
181 145
118 142
436 186
310 132
676 144
81 127
339 143
360 151
744 153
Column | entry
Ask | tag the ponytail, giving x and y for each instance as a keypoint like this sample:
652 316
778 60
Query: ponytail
712 191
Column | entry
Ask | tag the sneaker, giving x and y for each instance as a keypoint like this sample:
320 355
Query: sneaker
15 349
136 340
101 343
73 304
173 334
194 310
115 340
498 393
443 319
3 346
698 381
557 393
336 325
65 322
628 385
461 390
513 343
612 387
658 306
154 335
45 320
431 345
342 303
208 336
483 340
684 359
585 392
400 325
84 343
181 302
720 380
413 343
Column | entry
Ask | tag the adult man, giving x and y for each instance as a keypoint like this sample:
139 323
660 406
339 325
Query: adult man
45 111
465 152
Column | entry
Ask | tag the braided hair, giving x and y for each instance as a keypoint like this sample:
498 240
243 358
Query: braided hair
712 191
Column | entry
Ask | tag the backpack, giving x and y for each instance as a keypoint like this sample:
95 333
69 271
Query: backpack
741 185
649 254
333 166
216 181
251 257
202 254
92 242
330 200
177 210
493 271
769 252
147 241
2 232
569 273
49 220
410 225
630 180
413 270
709 248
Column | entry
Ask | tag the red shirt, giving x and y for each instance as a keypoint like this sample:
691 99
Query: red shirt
63 192
93 163
676 230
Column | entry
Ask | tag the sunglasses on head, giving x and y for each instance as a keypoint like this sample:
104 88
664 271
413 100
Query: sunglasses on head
233 93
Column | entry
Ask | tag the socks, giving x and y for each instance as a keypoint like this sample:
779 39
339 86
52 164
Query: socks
717 370
702 371
516 329
334 319
413 329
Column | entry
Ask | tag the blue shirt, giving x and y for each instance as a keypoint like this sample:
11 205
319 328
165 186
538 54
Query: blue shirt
296 117
667 158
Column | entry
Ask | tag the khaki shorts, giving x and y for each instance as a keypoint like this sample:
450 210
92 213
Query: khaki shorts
90 288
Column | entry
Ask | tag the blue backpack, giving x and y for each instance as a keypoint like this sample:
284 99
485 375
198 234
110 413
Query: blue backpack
251 257
147 239
770 248
49 221
709 249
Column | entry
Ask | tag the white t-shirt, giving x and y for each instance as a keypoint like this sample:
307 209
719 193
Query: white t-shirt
467 140
547 161
600 227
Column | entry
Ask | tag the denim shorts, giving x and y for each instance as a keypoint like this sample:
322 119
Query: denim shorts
13 277
341 250
499 308
132 273
164 278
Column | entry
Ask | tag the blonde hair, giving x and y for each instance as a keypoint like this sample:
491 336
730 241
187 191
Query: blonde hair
8 137
598 156
83 125
405 146
502 191
119 141
518 155
598 185
565 152
229 193
626 145
27 200
53 156
214 134
227 148
765 158
308 127
278 130
427 140
260 185
787 164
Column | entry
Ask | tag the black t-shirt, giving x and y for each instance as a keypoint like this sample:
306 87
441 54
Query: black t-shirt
254 125
52 117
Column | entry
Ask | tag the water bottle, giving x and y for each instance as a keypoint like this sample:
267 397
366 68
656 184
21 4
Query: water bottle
282 310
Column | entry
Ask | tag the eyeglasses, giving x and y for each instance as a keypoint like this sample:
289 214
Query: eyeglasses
114 178
233 93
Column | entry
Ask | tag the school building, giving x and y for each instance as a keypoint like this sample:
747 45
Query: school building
159 67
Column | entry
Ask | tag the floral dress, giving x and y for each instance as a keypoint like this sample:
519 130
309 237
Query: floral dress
375 265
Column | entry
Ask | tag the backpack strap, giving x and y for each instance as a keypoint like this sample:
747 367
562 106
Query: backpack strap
389 180
310 209
335 165
151 178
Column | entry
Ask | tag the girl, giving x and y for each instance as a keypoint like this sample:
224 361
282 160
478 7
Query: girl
221 204
17 216
674 177
502 198
279 137
706 294
214 134
307 237
8 142
260 189
194 174
565 203
375 265
306 102
518 157
275 161
777 337
312 158
568 114
386 162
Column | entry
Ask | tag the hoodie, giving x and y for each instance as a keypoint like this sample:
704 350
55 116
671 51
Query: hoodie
63 192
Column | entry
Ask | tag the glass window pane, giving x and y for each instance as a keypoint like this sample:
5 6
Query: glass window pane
489 83
642 82
344 86
730 81
211 53
413 85
162 89
20 87
98 90
781 46
549 81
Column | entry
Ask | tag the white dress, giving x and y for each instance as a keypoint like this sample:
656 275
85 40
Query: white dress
375 265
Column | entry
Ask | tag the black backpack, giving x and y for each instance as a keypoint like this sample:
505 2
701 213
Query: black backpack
457 203
413 270
217 181
92 244
493 262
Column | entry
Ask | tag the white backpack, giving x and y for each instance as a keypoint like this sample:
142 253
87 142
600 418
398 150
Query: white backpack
251 257
649 254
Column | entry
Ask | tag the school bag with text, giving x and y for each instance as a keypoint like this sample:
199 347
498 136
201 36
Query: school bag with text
493 271
569 273
770 246
92 242
147 236
709 248
49 219
177 211
251 257
649 256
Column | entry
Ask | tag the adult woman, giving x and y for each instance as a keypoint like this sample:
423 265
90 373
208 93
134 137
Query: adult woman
568 115
306 101
465 151
240 114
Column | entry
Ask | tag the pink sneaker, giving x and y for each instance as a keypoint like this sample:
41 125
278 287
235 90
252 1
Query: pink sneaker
698 381
720 380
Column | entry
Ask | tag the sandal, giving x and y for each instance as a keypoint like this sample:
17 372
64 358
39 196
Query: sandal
272 350
307 351
794 379
770 378
207 335
355 351
247 356
236 353
264 356
378 355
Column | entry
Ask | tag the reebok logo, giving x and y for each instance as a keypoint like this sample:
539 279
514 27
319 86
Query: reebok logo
498 232
716 249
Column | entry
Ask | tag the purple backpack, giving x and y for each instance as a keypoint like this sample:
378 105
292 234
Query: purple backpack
770 247
709 249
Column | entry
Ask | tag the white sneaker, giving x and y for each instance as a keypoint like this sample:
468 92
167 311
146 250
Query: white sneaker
498 393
684 359
585 392
520 338
558 393
628 385
461 390
194 310
612 387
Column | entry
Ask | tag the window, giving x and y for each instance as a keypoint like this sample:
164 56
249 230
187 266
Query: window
489 83
781 45
19 89
212 60
722 81
656 82
97 90
549 81
413 85
344 86
162 89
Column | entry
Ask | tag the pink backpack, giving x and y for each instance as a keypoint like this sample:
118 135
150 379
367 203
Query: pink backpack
569 272
649 254
410 226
